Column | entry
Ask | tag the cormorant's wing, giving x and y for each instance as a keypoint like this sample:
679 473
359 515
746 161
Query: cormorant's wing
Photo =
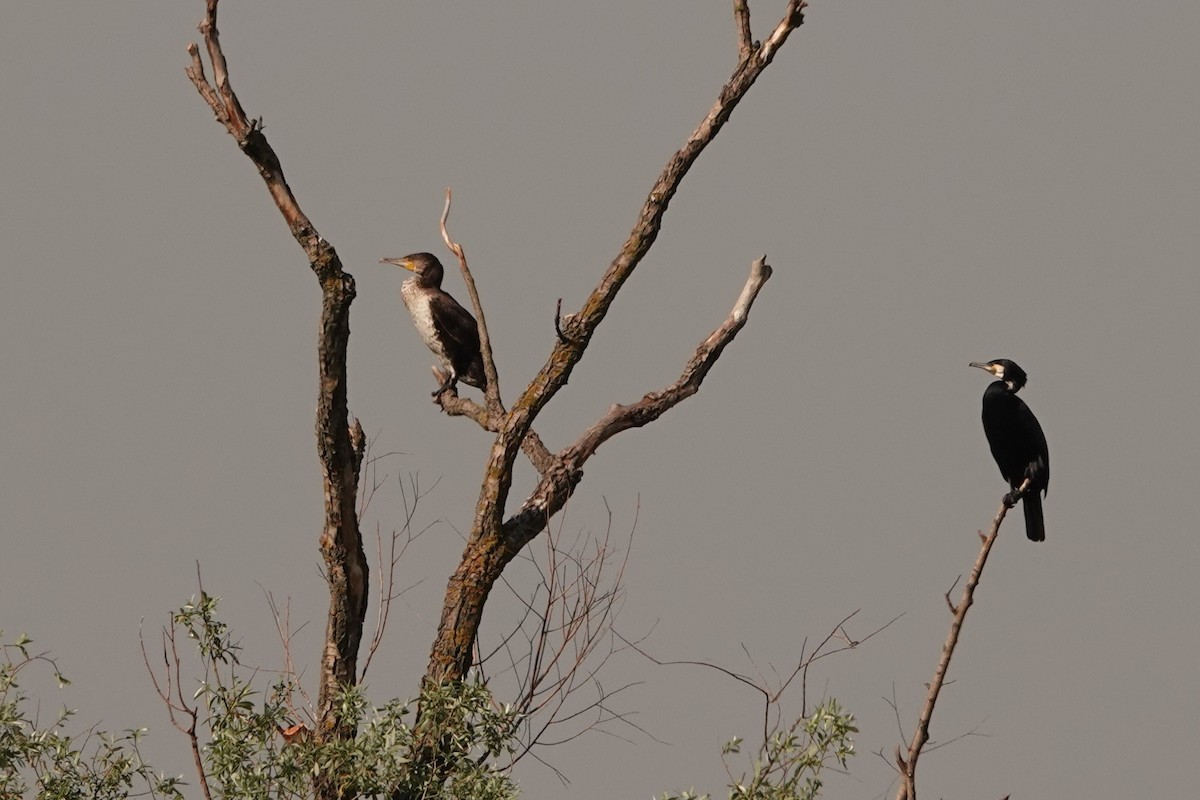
1035 438
456 327
454 324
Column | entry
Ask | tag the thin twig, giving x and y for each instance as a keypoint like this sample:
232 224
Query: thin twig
492 392
562 337
741 14
167 692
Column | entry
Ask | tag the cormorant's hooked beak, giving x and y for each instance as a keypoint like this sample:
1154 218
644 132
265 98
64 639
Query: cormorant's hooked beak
403 263
995 369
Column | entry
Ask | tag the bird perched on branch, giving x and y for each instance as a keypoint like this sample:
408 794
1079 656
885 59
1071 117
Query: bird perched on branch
1017 441
445 326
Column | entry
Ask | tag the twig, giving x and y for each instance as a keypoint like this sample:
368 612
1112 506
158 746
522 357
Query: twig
741 14
772 697
562 337
387 582
492 392
172 688
565 623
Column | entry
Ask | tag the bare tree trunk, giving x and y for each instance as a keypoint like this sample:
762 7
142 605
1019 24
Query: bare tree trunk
340 443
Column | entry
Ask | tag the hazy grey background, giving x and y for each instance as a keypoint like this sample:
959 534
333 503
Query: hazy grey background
934 182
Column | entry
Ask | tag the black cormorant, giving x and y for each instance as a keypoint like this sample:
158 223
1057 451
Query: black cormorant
446 327
1017 441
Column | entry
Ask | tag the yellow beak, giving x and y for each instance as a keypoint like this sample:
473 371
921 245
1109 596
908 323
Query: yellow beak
403 263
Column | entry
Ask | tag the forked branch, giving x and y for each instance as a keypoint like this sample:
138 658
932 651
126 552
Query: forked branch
494 541
486 556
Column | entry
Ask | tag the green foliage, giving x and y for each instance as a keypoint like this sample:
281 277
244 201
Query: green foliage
253 748
60 765
249 742
788 766
249 757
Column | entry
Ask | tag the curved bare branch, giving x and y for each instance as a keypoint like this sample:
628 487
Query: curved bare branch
492 392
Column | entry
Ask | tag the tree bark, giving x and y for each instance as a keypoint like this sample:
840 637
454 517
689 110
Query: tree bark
340 443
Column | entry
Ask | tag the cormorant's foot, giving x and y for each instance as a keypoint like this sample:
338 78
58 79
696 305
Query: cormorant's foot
1010 500
448 381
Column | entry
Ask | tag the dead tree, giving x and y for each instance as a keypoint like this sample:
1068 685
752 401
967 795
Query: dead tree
497 534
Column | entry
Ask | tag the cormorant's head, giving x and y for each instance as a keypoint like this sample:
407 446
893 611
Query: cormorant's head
424 265
1006 371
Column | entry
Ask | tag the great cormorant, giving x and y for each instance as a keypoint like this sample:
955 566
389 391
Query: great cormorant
1017 441
446 327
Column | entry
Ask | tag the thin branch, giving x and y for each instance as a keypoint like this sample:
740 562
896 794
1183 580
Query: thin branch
558 321
283 627
492 417
566 623
908 764
167 692
741 14
492 392
655 404
387 583
556 486
772 698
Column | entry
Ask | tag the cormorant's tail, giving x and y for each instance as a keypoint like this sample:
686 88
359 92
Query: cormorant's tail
1035 527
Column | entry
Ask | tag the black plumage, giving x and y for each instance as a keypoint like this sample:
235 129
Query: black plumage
446 327
1017 441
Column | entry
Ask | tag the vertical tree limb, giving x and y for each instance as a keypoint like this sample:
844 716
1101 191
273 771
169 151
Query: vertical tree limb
340 443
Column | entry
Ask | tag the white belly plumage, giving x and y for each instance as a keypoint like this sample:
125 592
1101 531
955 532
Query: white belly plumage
417 303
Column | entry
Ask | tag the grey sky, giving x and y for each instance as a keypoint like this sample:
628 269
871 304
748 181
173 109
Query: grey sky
933 182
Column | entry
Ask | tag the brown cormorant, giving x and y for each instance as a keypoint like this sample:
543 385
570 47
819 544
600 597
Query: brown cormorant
446 327
1017 441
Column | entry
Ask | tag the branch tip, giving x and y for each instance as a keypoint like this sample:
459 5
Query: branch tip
558 320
